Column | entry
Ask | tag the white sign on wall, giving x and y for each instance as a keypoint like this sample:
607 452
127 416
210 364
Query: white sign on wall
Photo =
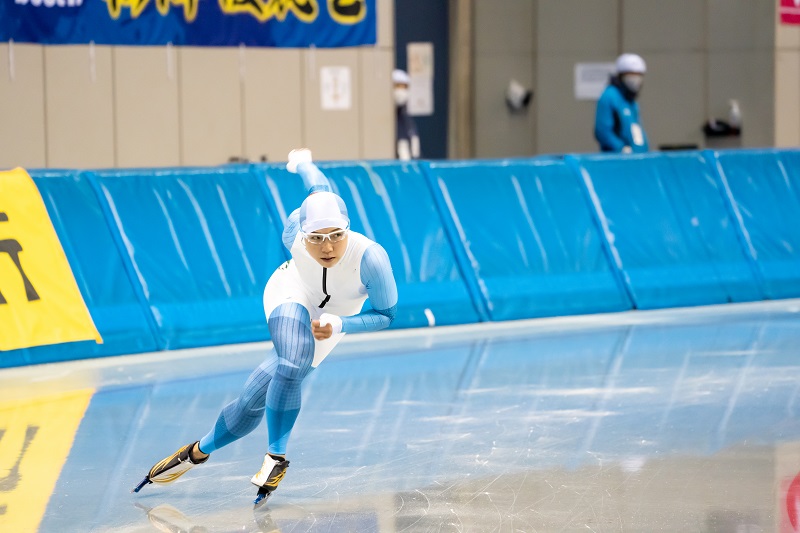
335 88
591 79
420 73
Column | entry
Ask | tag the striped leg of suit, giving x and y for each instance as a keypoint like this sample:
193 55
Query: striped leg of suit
290 328
246 412
274 386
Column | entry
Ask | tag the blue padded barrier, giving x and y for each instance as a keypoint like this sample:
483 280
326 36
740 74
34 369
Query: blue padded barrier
98 269
764 191
668 225
528 236
391 204
202 244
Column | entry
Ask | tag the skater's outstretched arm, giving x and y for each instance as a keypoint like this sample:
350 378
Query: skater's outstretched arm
314 181
313 178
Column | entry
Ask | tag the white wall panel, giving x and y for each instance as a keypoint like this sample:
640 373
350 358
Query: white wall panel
563 123
386 24
673 106
659 26
79 108
787 107
505 27
146 106
741 25
577 26
273 99
505 41
22 134
499 132
211 105
377 128
331 133
731 75
787 36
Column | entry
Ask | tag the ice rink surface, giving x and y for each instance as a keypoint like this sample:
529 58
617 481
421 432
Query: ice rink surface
676 420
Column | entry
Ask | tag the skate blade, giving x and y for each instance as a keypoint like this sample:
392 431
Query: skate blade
261 498
138 487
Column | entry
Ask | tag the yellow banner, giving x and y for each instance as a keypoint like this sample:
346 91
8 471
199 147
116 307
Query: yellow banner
35 440
40 302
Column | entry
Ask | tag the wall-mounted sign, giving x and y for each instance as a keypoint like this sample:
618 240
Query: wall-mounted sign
420 73
591 79
335 88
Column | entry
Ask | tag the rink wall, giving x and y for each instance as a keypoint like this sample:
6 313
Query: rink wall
178 258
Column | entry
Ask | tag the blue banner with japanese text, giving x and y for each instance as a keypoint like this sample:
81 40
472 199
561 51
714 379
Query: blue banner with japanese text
273 23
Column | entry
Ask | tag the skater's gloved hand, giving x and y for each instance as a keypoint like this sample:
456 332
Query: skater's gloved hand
296 157
326 326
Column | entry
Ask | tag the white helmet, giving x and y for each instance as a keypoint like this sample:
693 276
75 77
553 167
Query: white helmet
631 63
400 76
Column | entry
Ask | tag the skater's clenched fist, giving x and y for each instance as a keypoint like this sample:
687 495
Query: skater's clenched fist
326 326
321 332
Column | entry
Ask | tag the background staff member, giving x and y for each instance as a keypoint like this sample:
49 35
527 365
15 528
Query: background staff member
617 125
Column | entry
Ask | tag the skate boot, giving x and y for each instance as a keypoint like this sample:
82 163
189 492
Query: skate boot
267 479
169 469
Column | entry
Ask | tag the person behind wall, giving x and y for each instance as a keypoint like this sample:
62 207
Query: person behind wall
617 126
407 139
310 302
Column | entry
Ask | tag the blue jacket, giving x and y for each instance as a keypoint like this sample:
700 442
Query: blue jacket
617 121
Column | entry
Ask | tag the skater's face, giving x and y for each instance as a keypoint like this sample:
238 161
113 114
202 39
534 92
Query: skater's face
327 245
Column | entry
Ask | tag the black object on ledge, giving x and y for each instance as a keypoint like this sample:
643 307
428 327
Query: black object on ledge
720 128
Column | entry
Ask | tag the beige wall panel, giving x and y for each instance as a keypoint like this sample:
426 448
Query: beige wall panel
377 106
331 133
211 105
22 133
787 36
504 27
146 106
734 75
498 131
568 26
659 25
505 40
80 107
672 102
386 23
787 89
563 124
272 103
742 25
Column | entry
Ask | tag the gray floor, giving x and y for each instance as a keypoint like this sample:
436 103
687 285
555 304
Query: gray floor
676 420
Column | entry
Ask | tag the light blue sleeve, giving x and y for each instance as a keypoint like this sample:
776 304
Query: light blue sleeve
313 178
290 229
377 277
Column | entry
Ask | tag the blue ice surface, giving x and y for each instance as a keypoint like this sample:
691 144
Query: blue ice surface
402 413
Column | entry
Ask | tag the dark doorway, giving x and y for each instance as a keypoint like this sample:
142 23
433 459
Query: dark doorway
426 21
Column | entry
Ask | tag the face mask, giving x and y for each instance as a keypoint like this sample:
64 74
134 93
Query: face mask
400 96
633 82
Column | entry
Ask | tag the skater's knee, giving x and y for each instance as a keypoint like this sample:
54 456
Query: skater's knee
289 371
252 398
